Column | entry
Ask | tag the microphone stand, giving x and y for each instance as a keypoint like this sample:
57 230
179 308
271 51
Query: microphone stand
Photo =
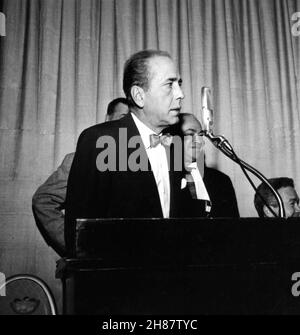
221 143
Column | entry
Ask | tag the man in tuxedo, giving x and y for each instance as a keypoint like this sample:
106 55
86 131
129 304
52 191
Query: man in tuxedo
48 202
121 168
286 189
205 191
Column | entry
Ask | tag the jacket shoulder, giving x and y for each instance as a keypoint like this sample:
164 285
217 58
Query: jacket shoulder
105 128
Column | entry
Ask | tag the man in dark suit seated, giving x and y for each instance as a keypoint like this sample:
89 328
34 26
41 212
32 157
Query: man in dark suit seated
48 202
215 196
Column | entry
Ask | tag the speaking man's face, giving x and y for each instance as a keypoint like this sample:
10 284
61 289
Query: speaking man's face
162 99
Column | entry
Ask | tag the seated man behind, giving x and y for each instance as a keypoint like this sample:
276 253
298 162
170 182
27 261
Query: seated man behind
218 185
286 189
48 202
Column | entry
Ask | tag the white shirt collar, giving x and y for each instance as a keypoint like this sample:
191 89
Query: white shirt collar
193 165
199 184
144 130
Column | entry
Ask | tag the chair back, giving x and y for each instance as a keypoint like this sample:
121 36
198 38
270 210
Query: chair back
26 295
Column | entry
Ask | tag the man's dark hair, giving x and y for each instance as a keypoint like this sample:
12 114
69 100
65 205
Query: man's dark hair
266 193
111 106
136 71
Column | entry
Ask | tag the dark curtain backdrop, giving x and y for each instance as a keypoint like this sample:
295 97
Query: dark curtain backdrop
61 63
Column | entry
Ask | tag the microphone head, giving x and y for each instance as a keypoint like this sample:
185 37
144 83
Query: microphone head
207 111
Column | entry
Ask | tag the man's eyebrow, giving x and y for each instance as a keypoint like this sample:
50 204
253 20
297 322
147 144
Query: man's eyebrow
175 79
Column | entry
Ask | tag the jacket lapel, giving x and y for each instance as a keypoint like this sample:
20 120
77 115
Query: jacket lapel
145 179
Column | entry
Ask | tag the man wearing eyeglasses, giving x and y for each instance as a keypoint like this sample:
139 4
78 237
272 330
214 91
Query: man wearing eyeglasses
205 191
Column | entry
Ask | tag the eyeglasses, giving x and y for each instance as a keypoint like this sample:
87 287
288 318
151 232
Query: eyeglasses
196 137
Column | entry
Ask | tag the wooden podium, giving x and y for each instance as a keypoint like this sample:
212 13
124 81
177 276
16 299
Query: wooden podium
183 267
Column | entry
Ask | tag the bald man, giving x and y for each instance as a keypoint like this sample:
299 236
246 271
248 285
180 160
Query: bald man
216 198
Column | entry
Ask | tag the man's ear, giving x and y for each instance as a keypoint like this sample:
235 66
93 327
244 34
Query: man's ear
138 95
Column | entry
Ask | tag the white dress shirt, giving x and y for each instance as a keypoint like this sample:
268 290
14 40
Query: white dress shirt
199 184
159 164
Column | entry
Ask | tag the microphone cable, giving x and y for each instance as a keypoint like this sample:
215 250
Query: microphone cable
224 146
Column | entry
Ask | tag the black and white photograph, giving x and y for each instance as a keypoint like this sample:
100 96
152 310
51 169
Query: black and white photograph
149 156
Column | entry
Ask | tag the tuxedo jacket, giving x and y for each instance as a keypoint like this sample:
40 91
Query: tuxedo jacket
50 198
221 192
222 195
121 191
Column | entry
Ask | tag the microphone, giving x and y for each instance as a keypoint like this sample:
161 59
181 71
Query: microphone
221 143
207 120
207 112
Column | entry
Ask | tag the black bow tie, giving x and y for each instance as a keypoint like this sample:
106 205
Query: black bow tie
165 139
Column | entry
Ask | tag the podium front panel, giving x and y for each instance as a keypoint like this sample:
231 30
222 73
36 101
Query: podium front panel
131 267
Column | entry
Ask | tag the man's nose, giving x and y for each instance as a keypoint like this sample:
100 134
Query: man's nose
179 92
297 210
